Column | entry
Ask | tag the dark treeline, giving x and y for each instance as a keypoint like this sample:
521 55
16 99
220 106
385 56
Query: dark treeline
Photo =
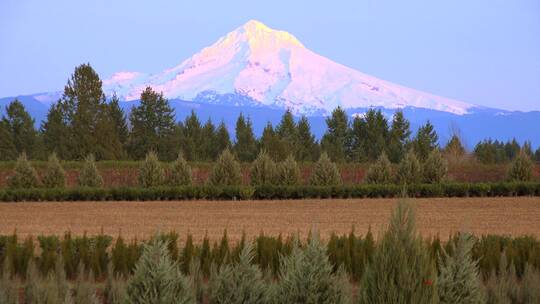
84 122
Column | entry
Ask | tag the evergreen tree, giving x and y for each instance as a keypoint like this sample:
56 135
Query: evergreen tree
425 141
307 276
89 175
180 172
336 141
119 120
91 130
157 279
226 171
307 148
263 170
222 140
208 142
193 139
24 175
8 151
240 282
245 146
402 270
398 138
55 132
409 170
521 168
272 144
380 172
55 176
21 127
459 280
286 131
151 172
288 173
152 126
454 149
435 168
325 172
376 133
537 155
358 139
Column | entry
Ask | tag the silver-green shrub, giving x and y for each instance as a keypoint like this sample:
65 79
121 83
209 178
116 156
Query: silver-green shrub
180 172
151 172
24 175
380 172
325 172
288 172
226 171
521 168
409 170
435 168
263 170
89 175
54 176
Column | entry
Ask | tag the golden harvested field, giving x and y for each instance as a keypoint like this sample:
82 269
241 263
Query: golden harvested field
443 216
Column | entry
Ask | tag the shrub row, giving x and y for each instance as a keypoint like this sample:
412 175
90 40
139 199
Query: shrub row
207 192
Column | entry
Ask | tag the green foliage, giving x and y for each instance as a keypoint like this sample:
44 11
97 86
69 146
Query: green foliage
409 170
336 141
226 171
85 292
521 168
325 172
180 172
24 175
435 168
370 135
8 151
454 149
119 120
241 282
89 175
245 147
401 270
55 132
306 276
398 137
157 278
288 173
263 170
380 172
502 287
151 172
55 176
425 141
307 148
9 294
459 280
115 288
152 127
20 126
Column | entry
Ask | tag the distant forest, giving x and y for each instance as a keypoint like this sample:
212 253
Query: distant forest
84 122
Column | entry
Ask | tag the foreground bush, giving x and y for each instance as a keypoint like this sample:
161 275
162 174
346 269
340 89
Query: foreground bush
306 276
263 170
226 171
180 172
89 175
157 279
435 168
239 283
24 175
55 176
151 172
521 168
288 173
402 270
409 170
459 280
325 172
380 172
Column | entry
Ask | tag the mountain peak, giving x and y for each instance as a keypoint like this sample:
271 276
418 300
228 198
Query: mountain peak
257 33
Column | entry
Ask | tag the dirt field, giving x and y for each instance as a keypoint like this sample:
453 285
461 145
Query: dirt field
514 216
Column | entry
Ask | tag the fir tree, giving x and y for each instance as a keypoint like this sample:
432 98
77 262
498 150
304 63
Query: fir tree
119 120
21 127
180 172
263 170
286 132
409 170
151 172
336 140
454 149
398 137
380 172
520 168
376 134
307 276
89 175
157 279
459 280
325 172
288 173
222 140
435 168
8 151
226 171
193 139
55 176
24 175
402 270
241 282
245 147
152 126
208 142
425 141
307 148
272 143
55 132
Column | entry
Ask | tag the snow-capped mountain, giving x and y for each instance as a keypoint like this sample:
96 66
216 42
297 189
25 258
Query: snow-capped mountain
257 65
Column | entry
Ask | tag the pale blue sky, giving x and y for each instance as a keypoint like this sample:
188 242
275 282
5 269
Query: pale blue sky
480 51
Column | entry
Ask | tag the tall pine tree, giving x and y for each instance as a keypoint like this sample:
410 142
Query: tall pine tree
245 146
425 141
307 148
398 138
21 127
55 132
222 139
336 140
7 147
119 119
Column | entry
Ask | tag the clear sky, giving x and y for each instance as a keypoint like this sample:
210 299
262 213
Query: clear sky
485 52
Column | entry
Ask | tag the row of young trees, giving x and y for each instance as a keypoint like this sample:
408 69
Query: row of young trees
398 268
84 122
